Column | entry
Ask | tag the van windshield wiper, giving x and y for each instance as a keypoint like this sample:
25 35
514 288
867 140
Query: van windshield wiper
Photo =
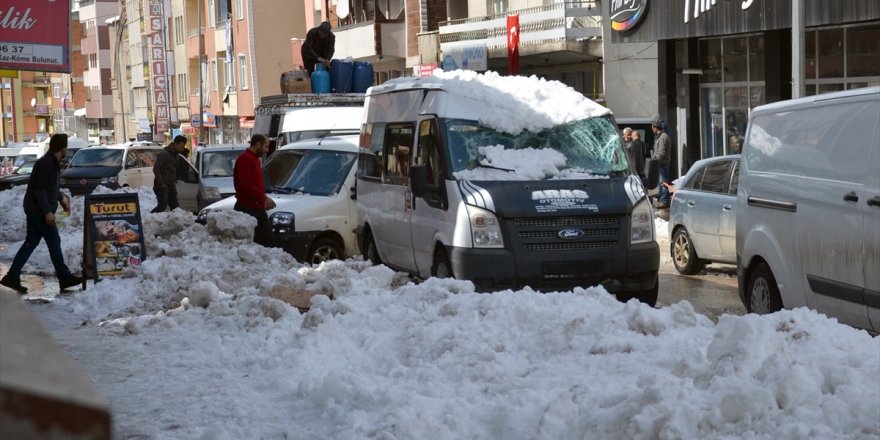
495 168
280 190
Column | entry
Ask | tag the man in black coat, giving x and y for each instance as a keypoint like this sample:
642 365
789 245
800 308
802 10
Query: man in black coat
165 175
638 151
319 47
41 200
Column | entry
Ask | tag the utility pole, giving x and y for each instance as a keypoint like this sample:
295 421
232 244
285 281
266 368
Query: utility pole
201 80
797 49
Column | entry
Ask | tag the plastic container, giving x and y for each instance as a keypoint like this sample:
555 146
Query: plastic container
341 76
363 77
320 79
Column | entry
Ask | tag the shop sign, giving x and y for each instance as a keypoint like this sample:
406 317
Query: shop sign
696 7
625 14
158 70
424 70
35 35
113 237
466 57
195 120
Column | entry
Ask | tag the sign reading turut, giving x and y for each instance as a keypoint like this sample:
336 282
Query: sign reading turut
625 14
35 35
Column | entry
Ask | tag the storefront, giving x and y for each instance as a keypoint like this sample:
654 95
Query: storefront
717 60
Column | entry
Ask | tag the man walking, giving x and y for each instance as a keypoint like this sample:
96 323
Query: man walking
165 175
41 200
319 47
663 154
250 193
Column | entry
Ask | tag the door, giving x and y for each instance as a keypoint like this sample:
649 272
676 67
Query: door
145 160
429 211
727 225
391 224
704 207
831 206
131 173
188 185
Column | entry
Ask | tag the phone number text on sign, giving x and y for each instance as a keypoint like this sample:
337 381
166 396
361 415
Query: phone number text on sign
27 53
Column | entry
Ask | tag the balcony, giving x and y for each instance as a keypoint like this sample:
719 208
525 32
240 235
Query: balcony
193 39
372 39
562 33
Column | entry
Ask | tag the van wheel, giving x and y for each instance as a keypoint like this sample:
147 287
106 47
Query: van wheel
441 268
372 253
684 257
325 249
763 291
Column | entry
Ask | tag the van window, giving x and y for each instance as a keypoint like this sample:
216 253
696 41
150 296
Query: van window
734 179
131 160
429 155
146 158
398 153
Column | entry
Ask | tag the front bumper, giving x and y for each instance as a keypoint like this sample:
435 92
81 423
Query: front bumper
630 269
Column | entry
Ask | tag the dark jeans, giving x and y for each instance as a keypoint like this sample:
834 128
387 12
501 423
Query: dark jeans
664 192
262 233
165 198
37 230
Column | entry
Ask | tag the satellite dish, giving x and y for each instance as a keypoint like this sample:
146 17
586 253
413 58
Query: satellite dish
33 102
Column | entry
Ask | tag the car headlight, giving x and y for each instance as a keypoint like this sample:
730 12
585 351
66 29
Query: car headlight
111 179
485 228
202 218
282 218
642 224
212 192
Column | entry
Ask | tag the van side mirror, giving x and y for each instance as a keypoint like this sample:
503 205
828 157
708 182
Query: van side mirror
418 180
652 171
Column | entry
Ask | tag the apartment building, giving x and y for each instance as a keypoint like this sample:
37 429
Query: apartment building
95 46
28 107
236 50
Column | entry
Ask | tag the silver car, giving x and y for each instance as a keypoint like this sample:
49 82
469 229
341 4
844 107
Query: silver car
702 217
215 164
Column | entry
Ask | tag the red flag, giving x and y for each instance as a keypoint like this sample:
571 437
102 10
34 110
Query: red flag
513 44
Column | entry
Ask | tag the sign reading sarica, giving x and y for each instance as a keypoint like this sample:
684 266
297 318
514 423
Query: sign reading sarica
626 13
35 35
113 237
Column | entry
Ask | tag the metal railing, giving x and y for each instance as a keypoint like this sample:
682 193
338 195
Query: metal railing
572 20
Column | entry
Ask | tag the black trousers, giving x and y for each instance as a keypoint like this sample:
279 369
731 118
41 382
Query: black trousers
262 233
166 198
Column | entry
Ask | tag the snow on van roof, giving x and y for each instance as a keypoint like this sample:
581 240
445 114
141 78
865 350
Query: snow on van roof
511 103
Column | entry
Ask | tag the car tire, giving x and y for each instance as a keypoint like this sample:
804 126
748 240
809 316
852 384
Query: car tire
441 268
371 253
763 291
324 249
684 256
647 296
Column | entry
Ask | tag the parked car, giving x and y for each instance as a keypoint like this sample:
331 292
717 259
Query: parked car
127 165
808 207
215 164
312 183
702 215
19 176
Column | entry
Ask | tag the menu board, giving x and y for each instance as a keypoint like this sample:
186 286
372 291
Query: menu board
113 238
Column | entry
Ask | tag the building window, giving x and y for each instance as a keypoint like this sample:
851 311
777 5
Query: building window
178 30
214 79
841 58
56 91
93 61
230 74
239 4
242 71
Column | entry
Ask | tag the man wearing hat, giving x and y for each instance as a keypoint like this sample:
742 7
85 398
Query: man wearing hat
663 154
319 46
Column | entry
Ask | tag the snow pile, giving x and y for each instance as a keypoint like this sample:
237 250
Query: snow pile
201 341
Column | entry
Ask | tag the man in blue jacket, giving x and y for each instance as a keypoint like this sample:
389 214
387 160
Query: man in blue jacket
40 203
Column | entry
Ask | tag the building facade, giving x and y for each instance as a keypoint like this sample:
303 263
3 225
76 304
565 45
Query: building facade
716 61
95 46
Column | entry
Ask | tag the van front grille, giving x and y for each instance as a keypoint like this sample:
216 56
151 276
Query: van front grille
582 220
569 246
568 233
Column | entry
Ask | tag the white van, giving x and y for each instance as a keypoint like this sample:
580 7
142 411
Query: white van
294 117
463 190
808 207
312 183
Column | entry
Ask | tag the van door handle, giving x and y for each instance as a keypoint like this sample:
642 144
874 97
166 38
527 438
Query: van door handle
875 201
851 197
691 203
726 207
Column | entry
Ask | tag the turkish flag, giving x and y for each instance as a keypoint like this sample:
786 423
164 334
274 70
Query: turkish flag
513 44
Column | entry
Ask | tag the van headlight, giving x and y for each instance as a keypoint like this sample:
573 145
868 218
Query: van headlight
485 228
642 223
111 179
212 192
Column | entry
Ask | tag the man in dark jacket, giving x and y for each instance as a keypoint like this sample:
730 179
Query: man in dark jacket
319 46
165 175
250 192
41 200
637 150
663 154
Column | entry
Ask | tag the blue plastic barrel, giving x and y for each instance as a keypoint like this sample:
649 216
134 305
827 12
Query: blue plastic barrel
341 76
320 79
363 76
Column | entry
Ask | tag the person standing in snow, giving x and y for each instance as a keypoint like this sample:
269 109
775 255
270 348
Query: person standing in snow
319 47
41 200
250 192
165 175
